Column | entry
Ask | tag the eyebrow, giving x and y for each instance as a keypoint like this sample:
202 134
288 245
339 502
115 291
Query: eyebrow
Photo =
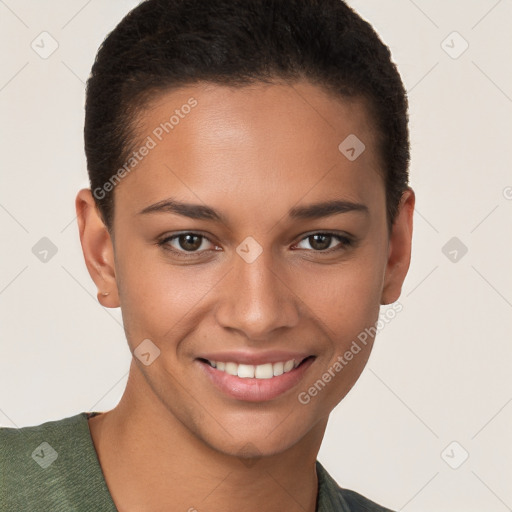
308 212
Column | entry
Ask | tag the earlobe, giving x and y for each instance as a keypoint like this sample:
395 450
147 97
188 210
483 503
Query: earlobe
97 248
399 253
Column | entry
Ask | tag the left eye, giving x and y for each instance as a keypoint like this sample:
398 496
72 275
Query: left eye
322 241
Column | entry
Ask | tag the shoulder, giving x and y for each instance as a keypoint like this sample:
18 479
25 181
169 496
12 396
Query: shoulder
18 446
26 448
45 467
20 435
333 498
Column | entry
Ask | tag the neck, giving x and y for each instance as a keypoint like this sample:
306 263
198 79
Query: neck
151 461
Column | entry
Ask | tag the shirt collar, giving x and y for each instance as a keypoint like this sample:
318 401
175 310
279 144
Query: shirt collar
329 497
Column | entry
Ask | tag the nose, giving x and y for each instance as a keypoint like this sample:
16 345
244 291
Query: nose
257 298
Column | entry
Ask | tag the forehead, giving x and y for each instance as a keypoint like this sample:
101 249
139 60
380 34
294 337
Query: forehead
244 146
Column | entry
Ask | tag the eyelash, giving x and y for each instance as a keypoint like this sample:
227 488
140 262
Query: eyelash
346 242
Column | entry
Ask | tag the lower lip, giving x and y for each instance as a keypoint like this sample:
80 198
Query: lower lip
255 390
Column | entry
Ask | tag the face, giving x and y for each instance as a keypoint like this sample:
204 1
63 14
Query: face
252 252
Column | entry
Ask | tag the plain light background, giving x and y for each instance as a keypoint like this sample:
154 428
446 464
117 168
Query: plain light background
439 372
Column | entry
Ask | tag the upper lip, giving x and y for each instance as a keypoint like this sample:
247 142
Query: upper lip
256 358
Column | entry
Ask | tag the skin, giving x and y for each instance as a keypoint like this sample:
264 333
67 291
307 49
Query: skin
174 440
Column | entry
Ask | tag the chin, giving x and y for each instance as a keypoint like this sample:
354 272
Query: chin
250 444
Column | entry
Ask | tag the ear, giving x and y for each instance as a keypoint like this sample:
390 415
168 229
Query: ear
97 248
399 249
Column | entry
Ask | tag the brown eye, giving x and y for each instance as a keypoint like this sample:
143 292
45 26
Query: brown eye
323 242
189 241
183 243
320 242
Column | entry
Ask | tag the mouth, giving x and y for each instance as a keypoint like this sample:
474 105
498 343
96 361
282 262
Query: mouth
255 383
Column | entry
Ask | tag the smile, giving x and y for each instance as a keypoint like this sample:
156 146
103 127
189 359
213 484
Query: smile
258 382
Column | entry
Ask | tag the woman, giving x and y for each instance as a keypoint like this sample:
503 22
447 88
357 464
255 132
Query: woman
249 211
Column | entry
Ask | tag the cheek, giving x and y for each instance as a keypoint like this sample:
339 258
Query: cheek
346 308
156 297
346 297
346 303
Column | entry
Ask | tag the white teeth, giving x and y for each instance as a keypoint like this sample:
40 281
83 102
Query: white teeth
278 369
263 371
231 368
260 371
246 371
289 365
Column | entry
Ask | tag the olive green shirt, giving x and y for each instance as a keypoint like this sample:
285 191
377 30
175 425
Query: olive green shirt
54 467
